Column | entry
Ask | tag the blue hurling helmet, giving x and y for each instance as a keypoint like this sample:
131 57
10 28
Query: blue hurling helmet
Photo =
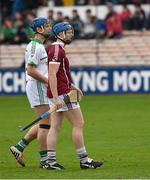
38 22
61 27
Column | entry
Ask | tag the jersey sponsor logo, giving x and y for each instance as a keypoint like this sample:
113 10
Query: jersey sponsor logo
44 58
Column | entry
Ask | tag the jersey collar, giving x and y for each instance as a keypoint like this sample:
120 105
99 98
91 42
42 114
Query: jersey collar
37 40
59 43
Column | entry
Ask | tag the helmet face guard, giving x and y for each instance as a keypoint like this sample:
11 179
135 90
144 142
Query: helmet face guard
39 23
61 27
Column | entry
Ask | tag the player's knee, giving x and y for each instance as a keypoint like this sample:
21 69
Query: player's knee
80 124
42 131
57 127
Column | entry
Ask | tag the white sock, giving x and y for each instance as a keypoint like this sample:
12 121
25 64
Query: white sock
51 156
82 154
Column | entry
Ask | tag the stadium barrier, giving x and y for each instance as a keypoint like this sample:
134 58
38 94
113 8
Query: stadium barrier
98 80
99 10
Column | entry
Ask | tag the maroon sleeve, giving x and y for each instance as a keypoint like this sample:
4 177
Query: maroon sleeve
55 54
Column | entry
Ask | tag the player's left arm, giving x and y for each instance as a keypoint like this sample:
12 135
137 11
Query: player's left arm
33 72
73 87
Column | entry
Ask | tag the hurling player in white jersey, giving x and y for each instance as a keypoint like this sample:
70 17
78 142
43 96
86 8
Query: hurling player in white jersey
36 89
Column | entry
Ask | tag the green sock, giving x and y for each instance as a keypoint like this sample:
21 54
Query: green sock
22 144
43 155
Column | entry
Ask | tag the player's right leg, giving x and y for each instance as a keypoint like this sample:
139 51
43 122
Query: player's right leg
56 123
17 150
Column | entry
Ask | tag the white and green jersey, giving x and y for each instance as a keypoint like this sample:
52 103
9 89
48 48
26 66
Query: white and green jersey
35 54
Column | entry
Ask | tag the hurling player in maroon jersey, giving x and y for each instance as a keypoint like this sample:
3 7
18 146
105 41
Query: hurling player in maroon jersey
60 84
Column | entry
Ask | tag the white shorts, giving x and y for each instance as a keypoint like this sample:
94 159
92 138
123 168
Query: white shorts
36 93
66 107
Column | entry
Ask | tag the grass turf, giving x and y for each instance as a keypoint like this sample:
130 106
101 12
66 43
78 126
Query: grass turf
117 130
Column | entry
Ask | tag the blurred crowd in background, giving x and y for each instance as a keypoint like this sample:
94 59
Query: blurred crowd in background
17 16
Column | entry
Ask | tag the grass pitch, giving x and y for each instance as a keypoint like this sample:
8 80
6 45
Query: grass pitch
117 131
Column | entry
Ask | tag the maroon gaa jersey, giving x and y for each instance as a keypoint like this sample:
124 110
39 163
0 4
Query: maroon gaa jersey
57 55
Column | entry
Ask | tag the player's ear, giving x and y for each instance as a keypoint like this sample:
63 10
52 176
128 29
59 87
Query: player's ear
60 34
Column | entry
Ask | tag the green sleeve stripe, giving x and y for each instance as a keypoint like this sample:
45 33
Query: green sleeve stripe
32 63
33 47
40 92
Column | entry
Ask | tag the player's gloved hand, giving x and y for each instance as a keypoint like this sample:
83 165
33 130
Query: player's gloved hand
58 102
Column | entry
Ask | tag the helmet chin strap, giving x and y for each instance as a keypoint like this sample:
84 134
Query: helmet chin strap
61 38
46 36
